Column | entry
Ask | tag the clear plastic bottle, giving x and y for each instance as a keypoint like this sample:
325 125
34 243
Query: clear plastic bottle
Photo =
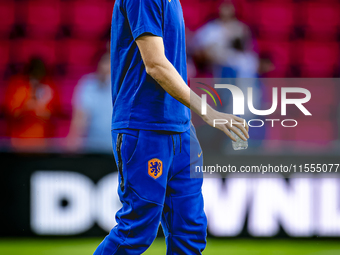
239 144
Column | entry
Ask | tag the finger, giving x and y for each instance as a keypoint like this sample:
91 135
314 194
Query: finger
227 132
244 122
247 127
241 123
242 128
244 131
237 132
239 128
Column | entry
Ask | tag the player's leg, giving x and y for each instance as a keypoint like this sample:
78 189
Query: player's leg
143 160
183 220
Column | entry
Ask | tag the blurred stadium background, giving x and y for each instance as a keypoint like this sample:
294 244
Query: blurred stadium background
58 185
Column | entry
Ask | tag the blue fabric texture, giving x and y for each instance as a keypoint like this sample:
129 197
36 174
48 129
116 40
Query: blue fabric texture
169 196
139 102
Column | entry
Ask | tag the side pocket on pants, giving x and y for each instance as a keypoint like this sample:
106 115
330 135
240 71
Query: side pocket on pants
120 162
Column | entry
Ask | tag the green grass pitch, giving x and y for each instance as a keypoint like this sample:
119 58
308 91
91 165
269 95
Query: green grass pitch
86 246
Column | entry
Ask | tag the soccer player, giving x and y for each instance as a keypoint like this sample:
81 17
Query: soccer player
152 132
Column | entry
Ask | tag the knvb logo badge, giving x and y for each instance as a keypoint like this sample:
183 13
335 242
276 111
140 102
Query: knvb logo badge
155 168
239 102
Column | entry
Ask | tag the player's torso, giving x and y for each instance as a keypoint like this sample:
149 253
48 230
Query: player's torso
132 89
174 28
173 15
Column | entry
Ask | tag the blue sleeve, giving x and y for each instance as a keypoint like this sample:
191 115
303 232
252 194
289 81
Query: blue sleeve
144 16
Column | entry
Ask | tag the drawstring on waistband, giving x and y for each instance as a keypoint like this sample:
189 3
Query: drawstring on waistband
180 143
173 143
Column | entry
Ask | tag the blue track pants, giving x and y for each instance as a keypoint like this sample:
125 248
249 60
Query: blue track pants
156 187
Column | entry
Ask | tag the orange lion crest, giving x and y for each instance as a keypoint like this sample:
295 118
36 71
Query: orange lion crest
155 168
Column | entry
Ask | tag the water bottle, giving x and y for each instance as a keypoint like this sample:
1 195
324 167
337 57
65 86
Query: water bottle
239 144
